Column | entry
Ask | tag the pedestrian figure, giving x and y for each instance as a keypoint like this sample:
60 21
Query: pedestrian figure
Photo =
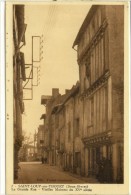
96 170
19 167
42 160
45 160
107 171
101 170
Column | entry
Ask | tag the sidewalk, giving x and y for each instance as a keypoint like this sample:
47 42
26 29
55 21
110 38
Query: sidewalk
46 170
85 179
19 180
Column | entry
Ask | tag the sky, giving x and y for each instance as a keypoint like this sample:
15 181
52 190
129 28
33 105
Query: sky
58 24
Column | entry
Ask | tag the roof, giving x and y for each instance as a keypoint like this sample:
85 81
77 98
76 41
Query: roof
45 98
75 89
41 126
43 116
85 24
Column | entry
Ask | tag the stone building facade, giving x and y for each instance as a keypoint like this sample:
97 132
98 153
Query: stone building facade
65 114
40 141
86 125
100 49
51 124
59 124
19 76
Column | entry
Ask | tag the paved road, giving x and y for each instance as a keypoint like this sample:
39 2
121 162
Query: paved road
35 172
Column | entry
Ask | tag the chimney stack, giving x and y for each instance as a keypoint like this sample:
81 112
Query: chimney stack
55 92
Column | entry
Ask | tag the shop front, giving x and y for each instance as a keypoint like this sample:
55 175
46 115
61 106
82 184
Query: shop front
104 158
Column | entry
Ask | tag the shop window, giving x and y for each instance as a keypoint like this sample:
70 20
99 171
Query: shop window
70 157
78 159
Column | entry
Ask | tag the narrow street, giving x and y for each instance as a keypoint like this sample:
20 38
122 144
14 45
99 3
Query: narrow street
35 172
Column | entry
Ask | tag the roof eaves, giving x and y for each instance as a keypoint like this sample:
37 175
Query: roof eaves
85 24
73 91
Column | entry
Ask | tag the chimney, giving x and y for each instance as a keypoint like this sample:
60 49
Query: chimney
55 92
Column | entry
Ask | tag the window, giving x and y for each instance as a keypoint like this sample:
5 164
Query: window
57 121
91 111
69 131
77 127
41 141
77 159
99 17
87 64
101 110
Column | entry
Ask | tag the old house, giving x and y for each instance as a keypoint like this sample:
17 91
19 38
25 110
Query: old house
59 113
77 134
40 141
45 138
100 52
71 158
68 142
51 123
19 76
59 123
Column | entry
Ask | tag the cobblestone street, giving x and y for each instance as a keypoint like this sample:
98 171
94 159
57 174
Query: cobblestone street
35 172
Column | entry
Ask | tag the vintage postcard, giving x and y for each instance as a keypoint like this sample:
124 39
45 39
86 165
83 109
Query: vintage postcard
67 97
